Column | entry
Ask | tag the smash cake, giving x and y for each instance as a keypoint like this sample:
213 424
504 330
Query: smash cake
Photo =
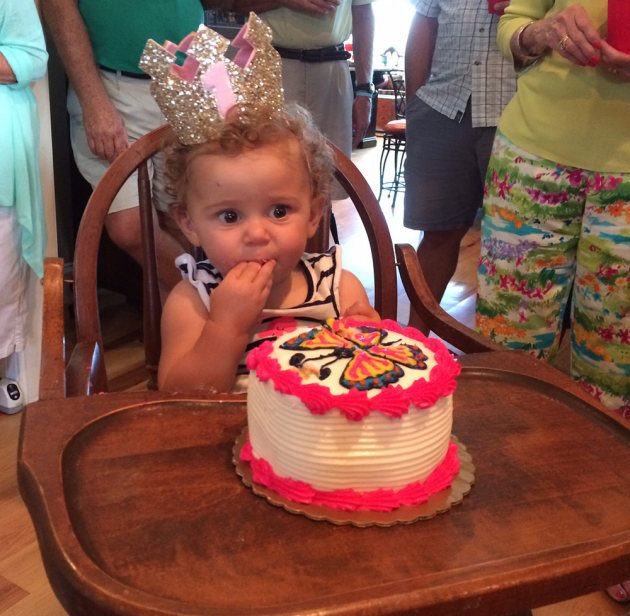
351 415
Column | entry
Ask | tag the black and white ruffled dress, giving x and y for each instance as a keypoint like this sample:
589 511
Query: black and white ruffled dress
322 272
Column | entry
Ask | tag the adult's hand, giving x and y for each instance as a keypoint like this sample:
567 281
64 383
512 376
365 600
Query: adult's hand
361 110
571 34
617 62
105 130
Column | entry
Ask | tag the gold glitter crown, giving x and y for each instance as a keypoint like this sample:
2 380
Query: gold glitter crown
195 83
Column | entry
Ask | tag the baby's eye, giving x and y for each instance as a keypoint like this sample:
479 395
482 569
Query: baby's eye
280 211
228 216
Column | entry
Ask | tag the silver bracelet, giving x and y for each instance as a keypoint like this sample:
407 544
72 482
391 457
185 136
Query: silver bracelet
364 93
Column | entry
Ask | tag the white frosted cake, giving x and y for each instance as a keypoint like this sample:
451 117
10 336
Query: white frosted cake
352 415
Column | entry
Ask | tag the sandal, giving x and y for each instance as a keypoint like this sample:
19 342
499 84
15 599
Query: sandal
620 592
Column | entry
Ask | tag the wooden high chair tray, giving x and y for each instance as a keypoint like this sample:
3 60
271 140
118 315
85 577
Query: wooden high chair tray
138 509
437 503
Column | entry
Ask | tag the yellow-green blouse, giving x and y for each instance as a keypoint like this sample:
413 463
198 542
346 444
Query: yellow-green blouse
574 115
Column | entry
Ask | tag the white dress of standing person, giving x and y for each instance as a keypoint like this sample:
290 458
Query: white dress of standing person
23 60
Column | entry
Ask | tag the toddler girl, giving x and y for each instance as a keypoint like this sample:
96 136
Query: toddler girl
250 196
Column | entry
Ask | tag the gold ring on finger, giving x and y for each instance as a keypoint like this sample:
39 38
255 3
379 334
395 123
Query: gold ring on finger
563 42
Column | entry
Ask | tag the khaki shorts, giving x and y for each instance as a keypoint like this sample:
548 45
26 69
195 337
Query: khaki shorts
325 89
141 115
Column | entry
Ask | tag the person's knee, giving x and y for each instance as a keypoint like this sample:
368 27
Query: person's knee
124 230
443 239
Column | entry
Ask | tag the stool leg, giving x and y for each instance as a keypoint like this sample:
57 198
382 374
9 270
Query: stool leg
400 178
397 167
382 164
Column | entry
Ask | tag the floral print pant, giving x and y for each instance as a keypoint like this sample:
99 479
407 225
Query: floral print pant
550 232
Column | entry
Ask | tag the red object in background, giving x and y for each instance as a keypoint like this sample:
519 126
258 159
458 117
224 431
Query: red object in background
619 24
348 47
491 6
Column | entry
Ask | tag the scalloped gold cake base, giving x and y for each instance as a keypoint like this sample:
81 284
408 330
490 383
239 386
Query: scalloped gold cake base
440 502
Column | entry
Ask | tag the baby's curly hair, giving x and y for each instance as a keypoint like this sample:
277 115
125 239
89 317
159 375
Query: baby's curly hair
248 130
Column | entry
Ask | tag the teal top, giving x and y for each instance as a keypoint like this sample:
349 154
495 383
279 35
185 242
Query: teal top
570 114
22 44
119 29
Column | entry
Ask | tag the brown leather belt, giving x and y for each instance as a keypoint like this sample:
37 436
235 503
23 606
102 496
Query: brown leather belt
323 54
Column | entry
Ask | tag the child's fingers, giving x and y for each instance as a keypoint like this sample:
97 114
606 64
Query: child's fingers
264 274
266 271
252 269
238 271
248 271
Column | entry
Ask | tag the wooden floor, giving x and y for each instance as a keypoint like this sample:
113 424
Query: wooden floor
24 590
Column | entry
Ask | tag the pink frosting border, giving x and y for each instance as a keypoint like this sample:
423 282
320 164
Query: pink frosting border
383 499
394 401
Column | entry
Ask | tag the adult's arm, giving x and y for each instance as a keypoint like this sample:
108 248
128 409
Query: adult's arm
529 29
104 127
363 50
23 56
260 6
419 52
362 41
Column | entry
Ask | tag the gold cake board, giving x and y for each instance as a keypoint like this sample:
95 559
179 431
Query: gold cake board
440 502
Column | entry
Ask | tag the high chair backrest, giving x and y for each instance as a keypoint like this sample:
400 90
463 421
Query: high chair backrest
85 373
85 287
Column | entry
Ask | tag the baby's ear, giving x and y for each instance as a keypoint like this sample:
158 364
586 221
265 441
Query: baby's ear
318 206
184 222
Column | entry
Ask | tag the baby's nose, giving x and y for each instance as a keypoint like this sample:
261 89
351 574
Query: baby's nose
257 230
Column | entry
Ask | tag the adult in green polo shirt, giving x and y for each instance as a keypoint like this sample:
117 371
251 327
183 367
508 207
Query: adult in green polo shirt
100 43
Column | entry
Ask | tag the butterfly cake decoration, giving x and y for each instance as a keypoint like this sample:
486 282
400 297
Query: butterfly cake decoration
372 361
